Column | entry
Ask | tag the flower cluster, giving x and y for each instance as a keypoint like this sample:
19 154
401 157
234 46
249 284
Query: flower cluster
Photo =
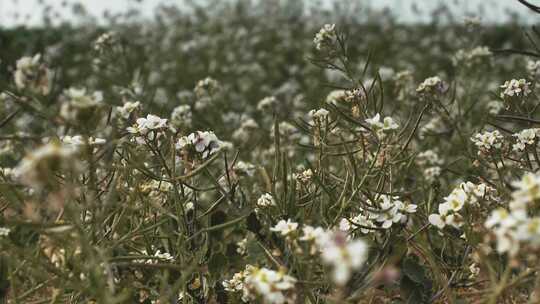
285 227
266 200
336 96
365 223
515 227
205 143
157 257
246 129
495 107
127 108
429 158
336 250
206 87
267 104
78 141
431 161
272 287
432 85
515 88
351 181
469 58
236 283
525 138
387 125
80 105
435 126
534 68
488 141
104 42
147 129
304 177
342 255
450 211
4 231
380 214
275 287
390 210
33 75
37 169
326 37
182 116
354 95
318 116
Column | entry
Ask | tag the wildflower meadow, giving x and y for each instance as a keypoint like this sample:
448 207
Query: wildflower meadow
270 152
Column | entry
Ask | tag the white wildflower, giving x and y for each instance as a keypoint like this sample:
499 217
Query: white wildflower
527 191
533 67
312 233
434 126
304 177
37 168
429 158
380 127
79 104
33 75
267 103
335 97
104 41
431 85
285 228
241 246
364 222
148 127
344 256
516 88
495 107
344 225
206 87
525 138
318 116
325 37
275 287
182 116
78 141
4 231
128 108
472 57
487 141
204 142
266 200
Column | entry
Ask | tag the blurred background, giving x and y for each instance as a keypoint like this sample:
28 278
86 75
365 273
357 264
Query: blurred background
39 12
257 48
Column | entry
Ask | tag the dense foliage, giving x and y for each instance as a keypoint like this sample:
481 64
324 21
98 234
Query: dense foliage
269 153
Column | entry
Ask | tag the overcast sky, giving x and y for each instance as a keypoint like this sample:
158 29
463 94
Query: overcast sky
29 11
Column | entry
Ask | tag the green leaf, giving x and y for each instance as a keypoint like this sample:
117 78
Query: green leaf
255 253
217 263
415 285
414 271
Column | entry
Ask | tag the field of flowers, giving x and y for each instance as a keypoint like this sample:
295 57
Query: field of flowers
270 153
